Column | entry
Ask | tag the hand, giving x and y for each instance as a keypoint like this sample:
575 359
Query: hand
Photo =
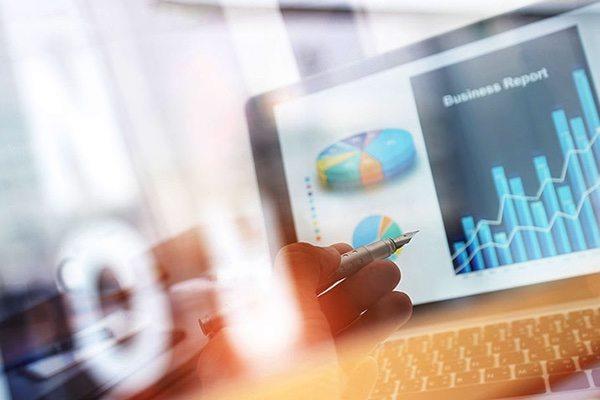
343 324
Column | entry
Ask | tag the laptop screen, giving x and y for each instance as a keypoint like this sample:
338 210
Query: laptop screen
490 149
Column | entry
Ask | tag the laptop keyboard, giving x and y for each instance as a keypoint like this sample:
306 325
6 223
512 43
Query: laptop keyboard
549 353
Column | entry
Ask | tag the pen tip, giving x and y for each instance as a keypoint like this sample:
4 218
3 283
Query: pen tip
405 238
409 235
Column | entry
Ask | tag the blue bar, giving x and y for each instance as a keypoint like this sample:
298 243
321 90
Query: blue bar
551 201
470 236
461 259
541 220
587 216
533 247
489 253
588 162
510 215
503 252
590 170
568 207
589 106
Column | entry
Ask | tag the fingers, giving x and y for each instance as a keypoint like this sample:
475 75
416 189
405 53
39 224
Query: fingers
376 324
345 302
342 247
307 265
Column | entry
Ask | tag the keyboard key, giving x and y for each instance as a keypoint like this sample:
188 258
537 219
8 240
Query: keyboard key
546 353
402 373
573 349
578 322
561 338
528 370
422 358
443 341
418 344
412 385
427 370
494 332
438 382
568 382
490 390
503 346
482 362
514 357
548 320
476 351
534 342
589 334
457 365
562 365
586 315
394 348
469 337
589 361
497 374
467 378
596 377
495 327
451 354
522 326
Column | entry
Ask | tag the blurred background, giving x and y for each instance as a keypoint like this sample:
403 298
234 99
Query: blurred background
125 118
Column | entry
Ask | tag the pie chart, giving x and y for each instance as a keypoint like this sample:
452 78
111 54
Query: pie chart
373 228
366 158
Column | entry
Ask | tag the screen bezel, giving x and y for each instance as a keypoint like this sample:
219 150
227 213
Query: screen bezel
264 137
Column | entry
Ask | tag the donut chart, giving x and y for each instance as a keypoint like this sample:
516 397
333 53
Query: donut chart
373 228
366 158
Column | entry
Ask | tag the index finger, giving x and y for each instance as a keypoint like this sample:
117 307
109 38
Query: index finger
342 247
307 265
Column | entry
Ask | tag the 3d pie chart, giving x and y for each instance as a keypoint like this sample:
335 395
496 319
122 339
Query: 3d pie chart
366 158
373 228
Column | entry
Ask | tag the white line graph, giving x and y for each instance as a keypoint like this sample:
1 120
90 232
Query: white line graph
498 220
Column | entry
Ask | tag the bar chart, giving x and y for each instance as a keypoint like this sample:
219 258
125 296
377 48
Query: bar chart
561 217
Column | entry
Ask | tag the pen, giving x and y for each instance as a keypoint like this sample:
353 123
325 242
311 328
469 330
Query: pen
354 260
350 263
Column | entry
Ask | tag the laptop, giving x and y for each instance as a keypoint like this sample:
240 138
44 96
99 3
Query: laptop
487 140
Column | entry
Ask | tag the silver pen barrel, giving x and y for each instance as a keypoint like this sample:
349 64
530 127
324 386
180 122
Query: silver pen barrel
352 261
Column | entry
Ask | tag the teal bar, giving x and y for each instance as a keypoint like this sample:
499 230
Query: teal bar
587 218
551 202
477 262
573 224
588 162
525 219
462 263
541 220
489 253
588 104
503 252
509 215
590 170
